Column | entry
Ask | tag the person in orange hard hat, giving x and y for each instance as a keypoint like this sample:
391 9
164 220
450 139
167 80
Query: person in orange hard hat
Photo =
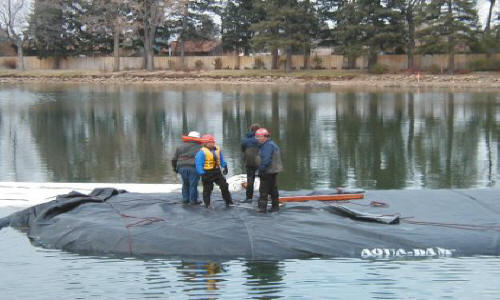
184 164
269 167
209 162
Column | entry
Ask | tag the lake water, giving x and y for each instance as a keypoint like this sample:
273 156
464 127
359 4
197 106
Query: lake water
374 140
380 139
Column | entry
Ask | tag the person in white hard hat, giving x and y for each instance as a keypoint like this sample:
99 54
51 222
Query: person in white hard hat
184 164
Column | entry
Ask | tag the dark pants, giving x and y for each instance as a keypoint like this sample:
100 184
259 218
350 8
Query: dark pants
208 179
250 181
190 179
268 186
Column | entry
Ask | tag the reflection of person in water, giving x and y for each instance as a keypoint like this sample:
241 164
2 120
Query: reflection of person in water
201 272
264 273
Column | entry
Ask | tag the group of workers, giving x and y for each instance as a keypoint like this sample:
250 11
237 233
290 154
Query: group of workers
199 156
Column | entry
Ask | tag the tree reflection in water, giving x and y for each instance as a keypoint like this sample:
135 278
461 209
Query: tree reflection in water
388 139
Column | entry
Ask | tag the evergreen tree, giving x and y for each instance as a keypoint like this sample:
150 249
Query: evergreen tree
448 24
48 34
383 26
104 22
411 10
490 42
283 27
347 34
237 17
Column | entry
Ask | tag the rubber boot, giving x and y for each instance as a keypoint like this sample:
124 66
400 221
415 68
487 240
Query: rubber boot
275 205
262 205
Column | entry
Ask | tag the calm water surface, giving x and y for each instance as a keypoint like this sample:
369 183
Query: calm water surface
374 140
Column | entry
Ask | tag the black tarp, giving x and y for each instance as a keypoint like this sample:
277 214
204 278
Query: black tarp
431 223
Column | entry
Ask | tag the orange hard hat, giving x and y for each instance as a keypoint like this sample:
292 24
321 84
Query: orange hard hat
208 138
262 132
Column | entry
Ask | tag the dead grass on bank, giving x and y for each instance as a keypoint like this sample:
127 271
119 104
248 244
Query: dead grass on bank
334 78
215 74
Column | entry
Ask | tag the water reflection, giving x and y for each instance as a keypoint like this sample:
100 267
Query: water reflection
265 279
37 273
373 140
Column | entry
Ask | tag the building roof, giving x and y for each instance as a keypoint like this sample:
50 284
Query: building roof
195 46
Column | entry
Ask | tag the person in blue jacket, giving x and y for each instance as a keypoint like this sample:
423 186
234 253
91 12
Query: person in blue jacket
269 167
250 149
209 162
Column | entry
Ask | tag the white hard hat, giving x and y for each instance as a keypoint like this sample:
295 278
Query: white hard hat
194 134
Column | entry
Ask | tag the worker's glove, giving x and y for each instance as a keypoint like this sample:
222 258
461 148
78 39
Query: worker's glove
224 171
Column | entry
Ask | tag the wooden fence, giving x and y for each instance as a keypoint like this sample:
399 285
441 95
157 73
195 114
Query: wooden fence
105 64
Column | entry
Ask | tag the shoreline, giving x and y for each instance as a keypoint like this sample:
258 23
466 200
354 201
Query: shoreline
327 78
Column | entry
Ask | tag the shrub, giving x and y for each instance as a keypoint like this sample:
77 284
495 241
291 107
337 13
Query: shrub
198 65
434 69
282 63
218 63
171 65
317 62
259 64
10 63
484 64
378 69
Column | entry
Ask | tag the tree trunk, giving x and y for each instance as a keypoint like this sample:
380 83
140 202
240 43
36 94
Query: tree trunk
116 48
411 38
182 52
20 56
351 62
372 58
307 56
451 56
274 63
451 41
183 33
148 47
288 64
237 62
149 56
488 21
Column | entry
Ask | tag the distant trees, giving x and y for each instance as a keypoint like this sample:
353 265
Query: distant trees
60 28
48 30
105 20
447 24
13 23
286 25
237 17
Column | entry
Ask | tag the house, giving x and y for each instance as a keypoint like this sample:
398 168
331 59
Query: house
196 48
6 47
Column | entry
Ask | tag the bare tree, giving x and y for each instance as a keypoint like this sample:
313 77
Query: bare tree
109 17
13 22
153 13
488 20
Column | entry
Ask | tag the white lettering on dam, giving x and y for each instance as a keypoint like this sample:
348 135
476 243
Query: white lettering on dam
417 252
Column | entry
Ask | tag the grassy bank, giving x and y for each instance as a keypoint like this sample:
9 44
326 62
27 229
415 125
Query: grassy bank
331 77
306 74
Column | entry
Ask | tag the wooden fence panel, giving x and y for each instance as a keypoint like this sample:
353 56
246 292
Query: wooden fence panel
105 64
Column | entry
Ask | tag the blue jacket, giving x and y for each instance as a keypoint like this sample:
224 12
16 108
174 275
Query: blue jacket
270 158
249 142
200 161
250 148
